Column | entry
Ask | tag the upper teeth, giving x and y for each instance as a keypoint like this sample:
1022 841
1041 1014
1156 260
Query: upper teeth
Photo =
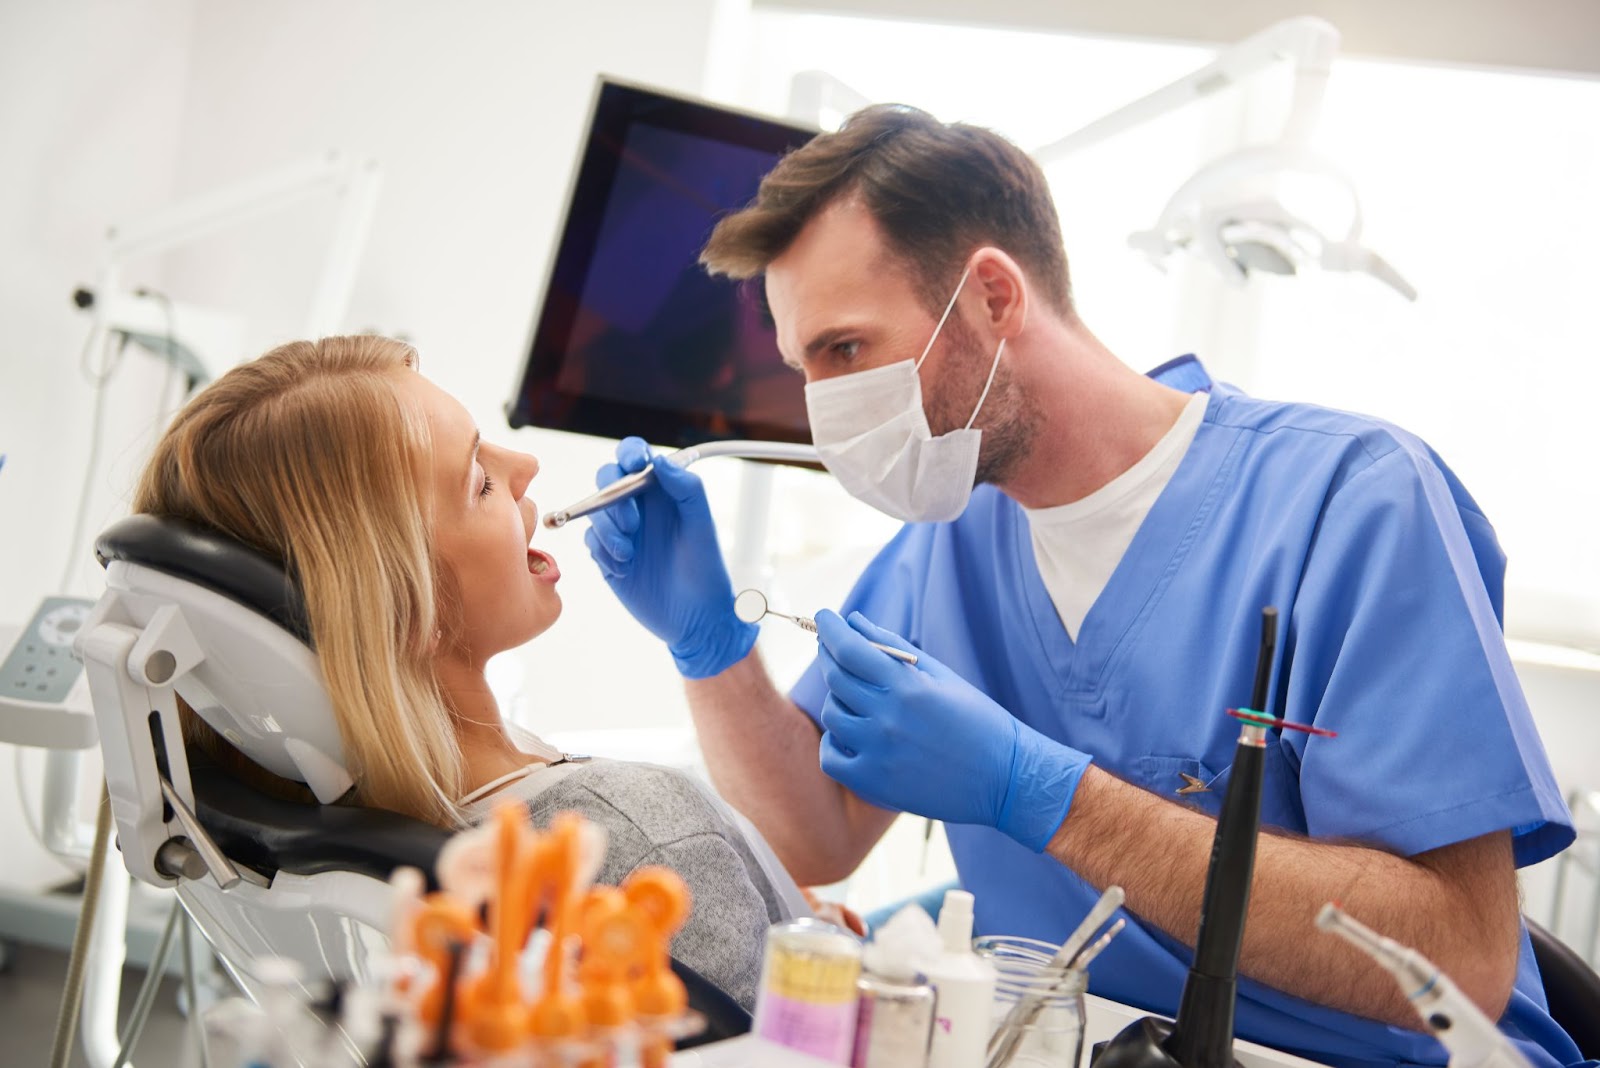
538 567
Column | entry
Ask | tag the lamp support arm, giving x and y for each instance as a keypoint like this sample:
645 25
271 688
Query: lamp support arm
352 180
814 94
1308 42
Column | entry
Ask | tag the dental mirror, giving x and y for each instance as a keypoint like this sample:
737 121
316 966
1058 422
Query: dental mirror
751 607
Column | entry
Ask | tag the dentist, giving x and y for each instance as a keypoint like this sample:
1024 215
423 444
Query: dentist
1085 556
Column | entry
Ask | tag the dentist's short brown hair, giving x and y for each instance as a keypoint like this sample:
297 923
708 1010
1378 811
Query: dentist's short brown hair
939 191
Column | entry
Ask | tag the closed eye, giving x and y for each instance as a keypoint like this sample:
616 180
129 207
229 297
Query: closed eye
488 486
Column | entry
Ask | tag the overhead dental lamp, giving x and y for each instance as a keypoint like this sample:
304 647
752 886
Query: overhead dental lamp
1240 213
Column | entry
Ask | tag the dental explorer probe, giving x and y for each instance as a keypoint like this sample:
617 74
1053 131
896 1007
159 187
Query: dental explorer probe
628 485
751 606
1470 1037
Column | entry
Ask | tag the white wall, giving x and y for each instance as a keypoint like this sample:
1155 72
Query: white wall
109 112
474 110
90 123
91 103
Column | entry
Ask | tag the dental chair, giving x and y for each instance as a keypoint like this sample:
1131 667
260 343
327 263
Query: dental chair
190 613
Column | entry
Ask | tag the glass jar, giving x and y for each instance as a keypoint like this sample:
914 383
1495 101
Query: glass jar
1054 1038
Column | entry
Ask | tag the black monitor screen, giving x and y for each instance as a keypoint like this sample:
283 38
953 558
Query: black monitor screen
633 336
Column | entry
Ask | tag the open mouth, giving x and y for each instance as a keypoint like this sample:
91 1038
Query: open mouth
540 563
543 565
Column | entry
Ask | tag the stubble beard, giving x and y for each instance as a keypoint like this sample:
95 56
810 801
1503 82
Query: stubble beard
1009 418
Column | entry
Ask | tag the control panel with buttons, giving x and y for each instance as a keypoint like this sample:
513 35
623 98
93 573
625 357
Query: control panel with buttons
43 694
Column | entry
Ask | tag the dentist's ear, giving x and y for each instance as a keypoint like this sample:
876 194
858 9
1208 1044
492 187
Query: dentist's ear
1003 287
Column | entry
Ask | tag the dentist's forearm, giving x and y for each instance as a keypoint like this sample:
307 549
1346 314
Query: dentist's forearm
1457 905
761 751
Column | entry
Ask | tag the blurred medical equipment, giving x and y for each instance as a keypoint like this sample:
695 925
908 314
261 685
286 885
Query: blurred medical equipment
751 607
1574 912
519 957
629 485
600 982
1471 1038
189 613
1237 212
1074 955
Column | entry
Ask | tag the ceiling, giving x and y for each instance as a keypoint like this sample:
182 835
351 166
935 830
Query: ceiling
1552 36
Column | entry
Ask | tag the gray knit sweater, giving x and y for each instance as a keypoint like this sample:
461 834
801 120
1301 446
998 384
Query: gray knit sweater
655 815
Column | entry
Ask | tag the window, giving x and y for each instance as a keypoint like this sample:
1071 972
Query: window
1478 186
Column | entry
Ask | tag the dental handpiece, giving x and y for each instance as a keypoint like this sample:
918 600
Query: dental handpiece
1470 1037
628 485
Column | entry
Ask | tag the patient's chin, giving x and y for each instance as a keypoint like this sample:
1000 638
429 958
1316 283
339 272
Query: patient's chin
549 610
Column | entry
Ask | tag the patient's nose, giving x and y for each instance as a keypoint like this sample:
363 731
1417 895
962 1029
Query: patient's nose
523 467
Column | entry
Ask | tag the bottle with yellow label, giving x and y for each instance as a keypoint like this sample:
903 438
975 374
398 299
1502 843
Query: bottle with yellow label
808 991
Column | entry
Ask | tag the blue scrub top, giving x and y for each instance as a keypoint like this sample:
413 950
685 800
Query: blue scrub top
1389 581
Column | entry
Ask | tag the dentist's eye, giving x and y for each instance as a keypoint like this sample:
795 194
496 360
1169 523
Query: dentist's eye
846 350
488 486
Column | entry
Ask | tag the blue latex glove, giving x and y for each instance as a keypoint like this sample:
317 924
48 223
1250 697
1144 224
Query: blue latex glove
922 739
658 551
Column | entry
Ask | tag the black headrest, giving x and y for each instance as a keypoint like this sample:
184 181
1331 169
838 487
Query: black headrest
270 834
219 563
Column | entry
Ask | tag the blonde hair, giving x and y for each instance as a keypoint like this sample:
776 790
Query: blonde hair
308 455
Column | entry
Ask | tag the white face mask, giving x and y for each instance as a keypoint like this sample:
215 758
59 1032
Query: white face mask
896 464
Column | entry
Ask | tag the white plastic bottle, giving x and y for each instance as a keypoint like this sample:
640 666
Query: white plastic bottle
965 985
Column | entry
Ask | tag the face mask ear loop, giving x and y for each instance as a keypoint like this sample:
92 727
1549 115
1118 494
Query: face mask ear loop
993 367
948 308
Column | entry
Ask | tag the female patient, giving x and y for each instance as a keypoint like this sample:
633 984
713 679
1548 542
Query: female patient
409 538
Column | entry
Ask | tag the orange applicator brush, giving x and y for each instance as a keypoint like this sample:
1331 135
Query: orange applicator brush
558 1016
439 923
616 945
661 899
493 1010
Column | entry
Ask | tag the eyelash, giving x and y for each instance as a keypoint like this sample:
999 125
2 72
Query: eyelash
488 485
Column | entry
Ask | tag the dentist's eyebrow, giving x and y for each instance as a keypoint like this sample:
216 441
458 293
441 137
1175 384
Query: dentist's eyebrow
828 337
